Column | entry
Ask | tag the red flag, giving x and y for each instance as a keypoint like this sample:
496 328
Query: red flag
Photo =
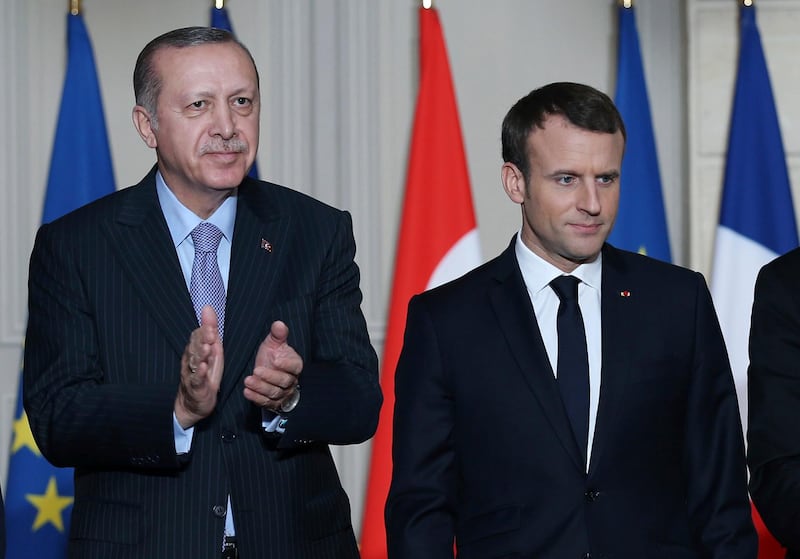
438 242
768 546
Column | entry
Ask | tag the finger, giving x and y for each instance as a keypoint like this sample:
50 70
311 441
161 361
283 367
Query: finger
275 388
261 400
287 361
271 376
208 316
195 355
192 355
216 364
202 337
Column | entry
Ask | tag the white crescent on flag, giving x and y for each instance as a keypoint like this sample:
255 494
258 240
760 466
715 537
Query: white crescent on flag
462 257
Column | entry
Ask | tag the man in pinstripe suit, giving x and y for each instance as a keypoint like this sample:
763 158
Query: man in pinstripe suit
190 440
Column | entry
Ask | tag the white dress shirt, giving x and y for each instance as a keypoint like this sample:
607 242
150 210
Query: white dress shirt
537 275
181 221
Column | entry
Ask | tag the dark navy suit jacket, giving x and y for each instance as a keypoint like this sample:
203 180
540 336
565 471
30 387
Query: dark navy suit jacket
483 450
110 316
774 399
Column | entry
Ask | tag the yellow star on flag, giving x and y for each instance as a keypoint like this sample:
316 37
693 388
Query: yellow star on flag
23 436
49 506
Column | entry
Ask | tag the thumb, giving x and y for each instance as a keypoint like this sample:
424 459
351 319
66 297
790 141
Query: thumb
278 334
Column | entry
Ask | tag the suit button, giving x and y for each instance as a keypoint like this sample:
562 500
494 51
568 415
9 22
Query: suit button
228 436
591 495
218 510
587 556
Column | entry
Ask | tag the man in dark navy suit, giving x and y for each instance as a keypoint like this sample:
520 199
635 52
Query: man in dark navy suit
773 388
195 389
567 399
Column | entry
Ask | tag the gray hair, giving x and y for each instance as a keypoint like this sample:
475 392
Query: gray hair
146 81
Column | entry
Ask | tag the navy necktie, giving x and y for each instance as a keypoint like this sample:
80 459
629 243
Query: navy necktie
573 359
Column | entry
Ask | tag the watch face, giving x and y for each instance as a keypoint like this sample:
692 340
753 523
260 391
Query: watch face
291 403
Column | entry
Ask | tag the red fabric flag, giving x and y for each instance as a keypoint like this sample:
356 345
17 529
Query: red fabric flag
768 546
438 242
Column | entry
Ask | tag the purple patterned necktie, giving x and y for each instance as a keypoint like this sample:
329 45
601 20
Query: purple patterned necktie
206 285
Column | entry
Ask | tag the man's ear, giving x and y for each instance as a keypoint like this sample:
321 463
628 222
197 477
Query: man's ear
513 182
143 123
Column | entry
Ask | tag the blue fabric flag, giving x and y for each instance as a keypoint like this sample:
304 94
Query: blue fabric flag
39 496
641 224
220 20
756 197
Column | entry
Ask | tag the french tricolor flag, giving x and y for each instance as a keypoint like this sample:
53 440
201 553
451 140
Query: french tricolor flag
757 221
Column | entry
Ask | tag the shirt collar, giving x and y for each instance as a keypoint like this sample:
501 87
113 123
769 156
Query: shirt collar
181 220
538 273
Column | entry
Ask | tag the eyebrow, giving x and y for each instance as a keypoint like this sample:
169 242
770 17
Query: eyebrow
244 90
613 173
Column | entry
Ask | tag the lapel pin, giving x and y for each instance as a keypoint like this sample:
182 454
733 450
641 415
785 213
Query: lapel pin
266 245
625 293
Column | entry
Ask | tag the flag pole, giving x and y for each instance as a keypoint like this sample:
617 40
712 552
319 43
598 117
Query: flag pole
219 4
427 4
74 7
626 3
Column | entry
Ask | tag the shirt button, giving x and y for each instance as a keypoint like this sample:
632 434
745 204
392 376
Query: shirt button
218 510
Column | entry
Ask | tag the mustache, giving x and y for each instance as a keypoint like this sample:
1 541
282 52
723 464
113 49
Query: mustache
234 145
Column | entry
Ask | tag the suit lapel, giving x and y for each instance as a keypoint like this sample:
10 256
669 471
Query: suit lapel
619 310
258 254
140 237
515 315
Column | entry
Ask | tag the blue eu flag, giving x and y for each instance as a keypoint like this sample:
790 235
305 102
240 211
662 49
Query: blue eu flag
39 496
641 224
220 20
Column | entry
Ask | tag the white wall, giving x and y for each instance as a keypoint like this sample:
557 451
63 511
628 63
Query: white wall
713 35
338 85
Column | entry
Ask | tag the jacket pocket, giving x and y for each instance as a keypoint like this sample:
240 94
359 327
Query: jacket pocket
490 535
105 521
327 514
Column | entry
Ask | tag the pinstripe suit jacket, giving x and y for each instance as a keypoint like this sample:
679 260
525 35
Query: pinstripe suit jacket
110 316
